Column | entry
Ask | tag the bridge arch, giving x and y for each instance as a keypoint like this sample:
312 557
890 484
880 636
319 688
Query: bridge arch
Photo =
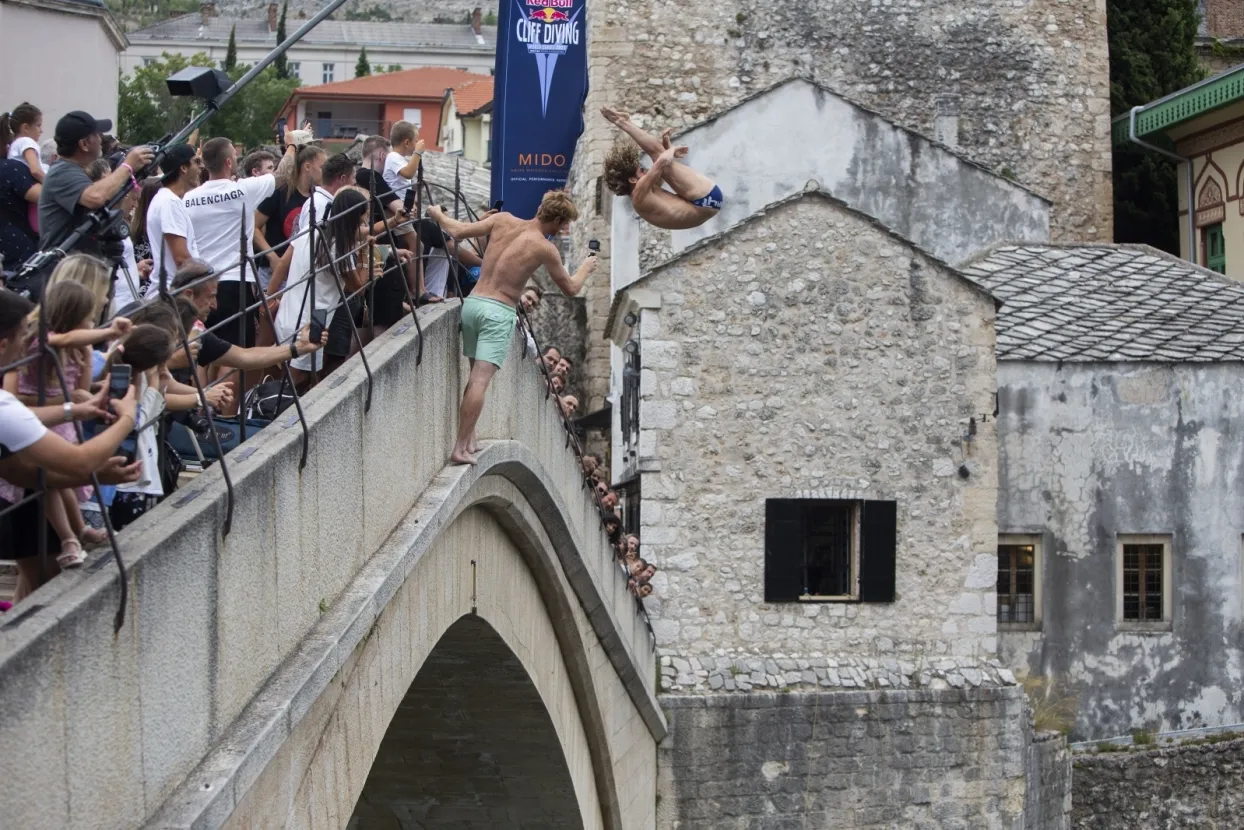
470 752
487 600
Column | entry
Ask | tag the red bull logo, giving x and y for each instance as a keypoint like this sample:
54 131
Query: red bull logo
549 15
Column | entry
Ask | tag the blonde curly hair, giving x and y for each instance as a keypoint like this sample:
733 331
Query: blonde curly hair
557 206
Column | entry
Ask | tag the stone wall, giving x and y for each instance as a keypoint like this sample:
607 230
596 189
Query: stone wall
810 353
1047 775
924 760
1190 786
1224 19
1091 451
1020 87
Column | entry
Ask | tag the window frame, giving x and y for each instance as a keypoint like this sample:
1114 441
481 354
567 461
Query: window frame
328 72
873 550
1037 541
1217 263
294 68
1145 626
853 576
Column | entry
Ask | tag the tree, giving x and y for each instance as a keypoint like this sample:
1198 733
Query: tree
490 19
145 110
362 67
394 67
280 64
1152 54
231 54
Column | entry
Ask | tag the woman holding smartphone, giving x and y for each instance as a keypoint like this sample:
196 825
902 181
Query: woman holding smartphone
316 299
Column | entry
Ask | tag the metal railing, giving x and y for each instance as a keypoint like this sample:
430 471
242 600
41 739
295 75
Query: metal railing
321 258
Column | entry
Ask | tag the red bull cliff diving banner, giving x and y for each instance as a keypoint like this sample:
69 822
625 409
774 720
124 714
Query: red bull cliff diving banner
538 94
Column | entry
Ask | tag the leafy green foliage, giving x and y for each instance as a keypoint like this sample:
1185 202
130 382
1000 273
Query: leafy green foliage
231 54
145 110
490 19
362 68
374 12
1152 54
281 64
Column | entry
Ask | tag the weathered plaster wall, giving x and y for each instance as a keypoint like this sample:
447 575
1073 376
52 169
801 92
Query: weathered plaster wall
810 351
863 760
916 187
1190 786
1023 86
1090 451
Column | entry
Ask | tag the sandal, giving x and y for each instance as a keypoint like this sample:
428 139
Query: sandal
71 555
91 536
428 297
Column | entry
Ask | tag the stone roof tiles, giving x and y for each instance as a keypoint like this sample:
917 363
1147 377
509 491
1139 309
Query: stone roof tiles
1109 303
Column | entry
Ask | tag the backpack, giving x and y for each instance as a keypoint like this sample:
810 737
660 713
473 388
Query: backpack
268 400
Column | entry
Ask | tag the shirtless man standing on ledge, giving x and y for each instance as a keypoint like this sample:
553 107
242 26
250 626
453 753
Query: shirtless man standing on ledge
698 199
516 248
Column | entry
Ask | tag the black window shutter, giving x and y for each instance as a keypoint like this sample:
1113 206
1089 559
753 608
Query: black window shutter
878 550
783 550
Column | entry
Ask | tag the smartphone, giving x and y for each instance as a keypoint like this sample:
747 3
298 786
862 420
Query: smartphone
119 381
319 321
593 247
280 132
497 204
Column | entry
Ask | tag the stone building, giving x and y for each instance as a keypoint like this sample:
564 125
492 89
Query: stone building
813 134
810 353
1119 416
1220 35
1023 88
808 416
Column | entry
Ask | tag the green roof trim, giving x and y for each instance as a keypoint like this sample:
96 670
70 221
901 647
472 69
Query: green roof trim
1192 102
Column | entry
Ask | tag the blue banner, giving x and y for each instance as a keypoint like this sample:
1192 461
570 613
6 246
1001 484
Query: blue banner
538 94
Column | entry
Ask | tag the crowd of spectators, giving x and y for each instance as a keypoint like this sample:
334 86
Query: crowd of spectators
210 290
557 368
159 342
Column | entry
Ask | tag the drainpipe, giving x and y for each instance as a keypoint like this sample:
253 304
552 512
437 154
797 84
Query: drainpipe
1131 135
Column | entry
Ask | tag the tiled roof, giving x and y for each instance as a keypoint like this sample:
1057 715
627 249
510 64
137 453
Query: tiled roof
1109 303
425 82
456 37
471 96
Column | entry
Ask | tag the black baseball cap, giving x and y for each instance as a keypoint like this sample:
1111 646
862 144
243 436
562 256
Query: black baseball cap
175 158
77 125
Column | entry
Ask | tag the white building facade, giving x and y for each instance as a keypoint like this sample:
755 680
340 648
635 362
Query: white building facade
83 29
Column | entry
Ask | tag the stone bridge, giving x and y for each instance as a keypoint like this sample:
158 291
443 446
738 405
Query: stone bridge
380 641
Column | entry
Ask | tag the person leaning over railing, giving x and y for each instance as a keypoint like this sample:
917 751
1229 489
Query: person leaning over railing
196 284
339 251
28 446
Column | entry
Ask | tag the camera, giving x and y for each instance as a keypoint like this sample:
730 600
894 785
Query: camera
593 247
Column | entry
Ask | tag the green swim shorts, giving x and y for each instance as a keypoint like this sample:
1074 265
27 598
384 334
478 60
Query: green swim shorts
487 327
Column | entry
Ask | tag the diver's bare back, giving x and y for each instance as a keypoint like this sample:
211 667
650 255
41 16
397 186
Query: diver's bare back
515 250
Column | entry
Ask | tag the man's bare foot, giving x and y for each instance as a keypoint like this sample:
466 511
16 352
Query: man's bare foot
461 457
615 116
665 137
